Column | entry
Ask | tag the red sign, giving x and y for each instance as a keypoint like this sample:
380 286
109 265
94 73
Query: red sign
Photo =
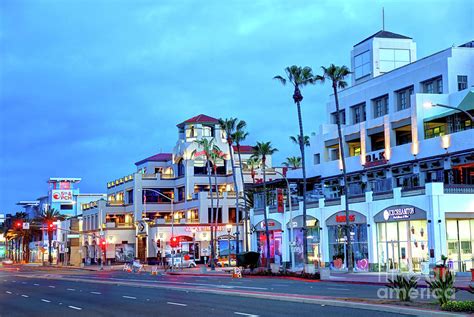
342 218
372 160
64 185
281 204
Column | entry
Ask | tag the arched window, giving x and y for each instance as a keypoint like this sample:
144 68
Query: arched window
180 168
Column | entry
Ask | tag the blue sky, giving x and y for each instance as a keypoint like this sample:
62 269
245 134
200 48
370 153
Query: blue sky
87 88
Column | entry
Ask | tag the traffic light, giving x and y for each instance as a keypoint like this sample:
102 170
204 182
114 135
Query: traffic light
103 244
18 225
174 242
51 226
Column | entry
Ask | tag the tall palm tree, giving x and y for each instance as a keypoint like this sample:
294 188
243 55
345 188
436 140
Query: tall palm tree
46 217
261 151
230 126
239 136
215 156
293 162
296 140
300 77
206 145
336 75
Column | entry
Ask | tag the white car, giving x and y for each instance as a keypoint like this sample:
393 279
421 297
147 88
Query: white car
186 263
7 262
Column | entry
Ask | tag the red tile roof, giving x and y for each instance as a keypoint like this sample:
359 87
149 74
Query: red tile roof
201 118
244 149
160 157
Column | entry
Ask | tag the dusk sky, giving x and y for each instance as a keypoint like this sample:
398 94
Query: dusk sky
88 88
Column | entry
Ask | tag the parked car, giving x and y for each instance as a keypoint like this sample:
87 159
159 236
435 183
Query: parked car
190 263
7 262
224 262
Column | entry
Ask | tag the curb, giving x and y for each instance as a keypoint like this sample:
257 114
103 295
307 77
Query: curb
198 274
463 288
307 299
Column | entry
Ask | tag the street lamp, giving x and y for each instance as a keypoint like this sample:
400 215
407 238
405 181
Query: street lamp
172 217
193 230
229 228
292 243
429 105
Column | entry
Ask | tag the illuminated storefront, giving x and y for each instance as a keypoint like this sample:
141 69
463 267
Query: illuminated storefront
402 238
313 238
275 233
460 241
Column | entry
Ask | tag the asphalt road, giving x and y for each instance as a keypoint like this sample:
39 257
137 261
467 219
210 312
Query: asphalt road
30 296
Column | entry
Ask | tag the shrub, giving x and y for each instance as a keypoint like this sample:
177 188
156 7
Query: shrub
466 306
403 285
443 287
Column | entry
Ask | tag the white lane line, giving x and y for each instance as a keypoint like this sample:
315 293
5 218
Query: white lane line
338 289
245 314
46 301
8 292
74 307
129 297
36 284
177 304
96 293
51 286
25 296
24 283
70 289
5 280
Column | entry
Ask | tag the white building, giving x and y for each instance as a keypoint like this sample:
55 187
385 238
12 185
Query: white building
410 168
138 219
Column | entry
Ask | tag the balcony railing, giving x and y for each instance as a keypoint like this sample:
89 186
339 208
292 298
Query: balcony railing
458 189
413 191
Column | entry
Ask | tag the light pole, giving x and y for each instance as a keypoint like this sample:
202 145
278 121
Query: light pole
292 243
229 228
429 104
193 230
172 217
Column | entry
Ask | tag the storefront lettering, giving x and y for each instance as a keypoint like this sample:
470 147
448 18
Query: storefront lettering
375 159
398 213
270 224
342 218
201 229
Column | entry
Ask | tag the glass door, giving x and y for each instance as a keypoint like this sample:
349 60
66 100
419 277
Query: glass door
393 257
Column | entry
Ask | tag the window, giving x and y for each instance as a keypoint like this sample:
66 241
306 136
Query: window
342 117
362 65
181 194
334 154
316 159
392 58
433 86
358 113
219 215
380 106
462 82
66 207
207 131
191 132
403 98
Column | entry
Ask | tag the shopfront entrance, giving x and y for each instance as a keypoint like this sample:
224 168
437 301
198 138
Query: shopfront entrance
338 252
275 233
460 242
402 239
313 238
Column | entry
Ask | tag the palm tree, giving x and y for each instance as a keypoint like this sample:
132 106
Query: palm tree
297 141
336 75
300 77
215 156
252 164
230 126
261 151
207 144
239 136
47 217
293 162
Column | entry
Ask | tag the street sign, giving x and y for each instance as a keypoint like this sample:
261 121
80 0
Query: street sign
26 225
102 233
72 236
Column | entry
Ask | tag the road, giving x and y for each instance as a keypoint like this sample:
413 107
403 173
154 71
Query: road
46 292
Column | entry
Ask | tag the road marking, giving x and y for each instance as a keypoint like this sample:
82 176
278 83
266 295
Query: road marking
129 297
74 307
8 292
244 314
70 289
338 289
51 286
177 304
96 293
46 301
36 284
24 283
25 296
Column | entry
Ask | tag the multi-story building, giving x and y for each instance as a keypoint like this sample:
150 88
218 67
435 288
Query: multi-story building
410 168
168 195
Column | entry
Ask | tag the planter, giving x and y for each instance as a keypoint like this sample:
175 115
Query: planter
325 273
275 268
309 268
440 271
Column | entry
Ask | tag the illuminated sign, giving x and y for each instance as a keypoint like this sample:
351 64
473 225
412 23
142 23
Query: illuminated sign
61 196
342 218
398 213
203 228
375 159
280 200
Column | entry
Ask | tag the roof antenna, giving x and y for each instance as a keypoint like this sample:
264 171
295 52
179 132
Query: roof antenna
383 19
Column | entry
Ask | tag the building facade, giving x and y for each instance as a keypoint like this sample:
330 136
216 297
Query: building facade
410 168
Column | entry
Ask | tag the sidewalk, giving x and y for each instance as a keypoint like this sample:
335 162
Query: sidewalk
376 278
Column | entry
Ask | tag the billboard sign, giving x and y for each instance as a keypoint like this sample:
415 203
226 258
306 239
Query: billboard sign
61 196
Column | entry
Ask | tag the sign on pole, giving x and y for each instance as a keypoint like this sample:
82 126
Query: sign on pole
26 226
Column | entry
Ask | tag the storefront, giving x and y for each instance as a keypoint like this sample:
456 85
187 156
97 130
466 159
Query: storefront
460 241
338 253
402 239
313 238
275 233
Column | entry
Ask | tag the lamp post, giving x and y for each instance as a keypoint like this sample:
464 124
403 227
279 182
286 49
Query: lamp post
229 228
292 243
193 230
429 104
172 217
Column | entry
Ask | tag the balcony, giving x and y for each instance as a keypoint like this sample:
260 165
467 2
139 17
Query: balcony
458 189
413 191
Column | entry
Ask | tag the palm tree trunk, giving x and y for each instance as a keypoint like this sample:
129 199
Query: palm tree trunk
246 228
50 247
267 233
216 214
344 177
237 209
212 213
302 145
